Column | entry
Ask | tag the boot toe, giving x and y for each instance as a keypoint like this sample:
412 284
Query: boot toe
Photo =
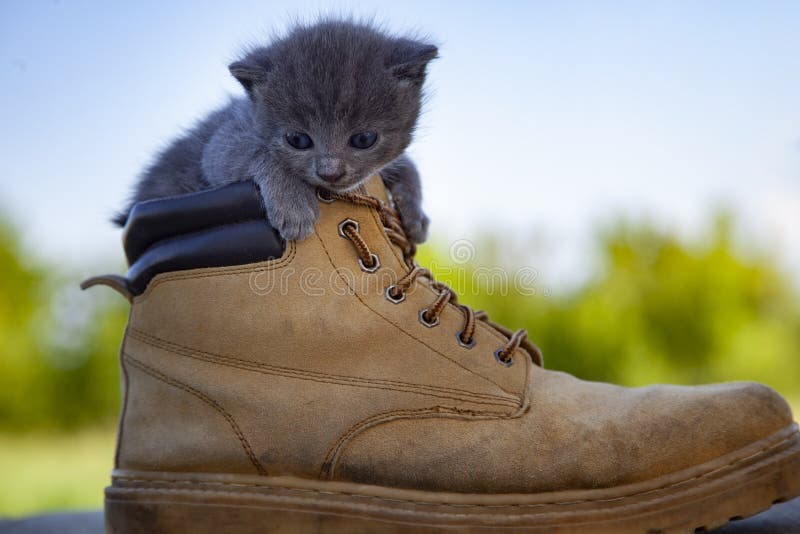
740 413
674 427
576 435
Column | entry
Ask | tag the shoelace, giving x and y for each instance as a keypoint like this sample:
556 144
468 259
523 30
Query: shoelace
396 293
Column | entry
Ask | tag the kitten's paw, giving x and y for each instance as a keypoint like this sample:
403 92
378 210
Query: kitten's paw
415 222
416 227
294 224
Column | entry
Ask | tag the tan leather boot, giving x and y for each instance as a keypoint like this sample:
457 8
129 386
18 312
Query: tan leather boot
331 386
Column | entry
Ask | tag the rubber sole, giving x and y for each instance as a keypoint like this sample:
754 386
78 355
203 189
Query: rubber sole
701 498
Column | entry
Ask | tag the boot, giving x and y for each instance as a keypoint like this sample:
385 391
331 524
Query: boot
332 385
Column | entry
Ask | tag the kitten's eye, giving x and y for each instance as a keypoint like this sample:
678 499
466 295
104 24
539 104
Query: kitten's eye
299 140
363 140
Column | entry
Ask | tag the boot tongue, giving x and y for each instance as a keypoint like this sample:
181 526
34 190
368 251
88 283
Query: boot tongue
374 187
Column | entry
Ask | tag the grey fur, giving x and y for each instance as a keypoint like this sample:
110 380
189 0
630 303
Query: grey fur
330 80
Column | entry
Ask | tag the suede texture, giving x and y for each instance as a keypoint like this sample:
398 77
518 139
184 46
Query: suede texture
301 366
576 435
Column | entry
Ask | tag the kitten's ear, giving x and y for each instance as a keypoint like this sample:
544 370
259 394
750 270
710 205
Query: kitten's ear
253 69
408 60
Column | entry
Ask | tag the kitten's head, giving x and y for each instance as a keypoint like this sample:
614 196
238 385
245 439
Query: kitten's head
335 101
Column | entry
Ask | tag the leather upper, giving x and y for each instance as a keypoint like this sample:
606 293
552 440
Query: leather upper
301 366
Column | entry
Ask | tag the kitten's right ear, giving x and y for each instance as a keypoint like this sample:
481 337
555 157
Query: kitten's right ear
253 69
408 60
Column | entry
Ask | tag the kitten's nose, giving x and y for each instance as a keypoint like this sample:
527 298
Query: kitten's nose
330 177
330 169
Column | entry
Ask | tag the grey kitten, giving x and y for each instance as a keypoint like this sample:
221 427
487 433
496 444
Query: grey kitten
328 106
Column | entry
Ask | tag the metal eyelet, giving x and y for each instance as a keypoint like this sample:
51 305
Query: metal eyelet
347 222
376 263
508 363
322 198
429 324
391 298
461 341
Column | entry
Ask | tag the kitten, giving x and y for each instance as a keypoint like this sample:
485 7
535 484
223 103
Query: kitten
328 106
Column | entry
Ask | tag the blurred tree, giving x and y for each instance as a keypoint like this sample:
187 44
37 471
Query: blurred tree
19 300
57 356
658 310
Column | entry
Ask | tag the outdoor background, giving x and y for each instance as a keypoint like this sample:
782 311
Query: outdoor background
640 161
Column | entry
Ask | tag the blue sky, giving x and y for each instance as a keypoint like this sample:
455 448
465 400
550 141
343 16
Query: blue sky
545 119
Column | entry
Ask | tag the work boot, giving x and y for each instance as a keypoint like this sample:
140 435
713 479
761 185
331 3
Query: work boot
331 385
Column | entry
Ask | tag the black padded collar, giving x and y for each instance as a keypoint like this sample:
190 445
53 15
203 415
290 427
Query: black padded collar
223 226
154 220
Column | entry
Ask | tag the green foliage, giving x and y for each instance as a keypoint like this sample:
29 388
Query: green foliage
45 471
58 365
658 310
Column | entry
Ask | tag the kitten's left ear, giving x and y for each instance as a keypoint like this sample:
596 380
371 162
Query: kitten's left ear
408 60
253 69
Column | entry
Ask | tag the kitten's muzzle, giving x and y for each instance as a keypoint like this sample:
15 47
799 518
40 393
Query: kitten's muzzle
330 169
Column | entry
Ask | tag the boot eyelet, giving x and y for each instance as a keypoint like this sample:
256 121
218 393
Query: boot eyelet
424 321
508 363
324 196
347 222
461 341
376 263
394 299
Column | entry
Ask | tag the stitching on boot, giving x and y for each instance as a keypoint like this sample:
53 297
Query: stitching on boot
338 448
316 376
409 334
205 398
126 382
226 360
270 265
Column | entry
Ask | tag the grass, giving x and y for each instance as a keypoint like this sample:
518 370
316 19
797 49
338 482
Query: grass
45 472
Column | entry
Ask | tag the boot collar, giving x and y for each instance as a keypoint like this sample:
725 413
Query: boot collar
214 228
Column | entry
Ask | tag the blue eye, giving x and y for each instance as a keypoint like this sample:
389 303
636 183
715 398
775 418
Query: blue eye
363 140
299 140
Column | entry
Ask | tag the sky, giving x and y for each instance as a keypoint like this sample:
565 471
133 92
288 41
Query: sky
544 120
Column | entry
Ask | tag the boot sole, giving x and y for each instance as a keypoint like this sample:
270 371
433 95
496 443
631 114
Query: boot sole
697 499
